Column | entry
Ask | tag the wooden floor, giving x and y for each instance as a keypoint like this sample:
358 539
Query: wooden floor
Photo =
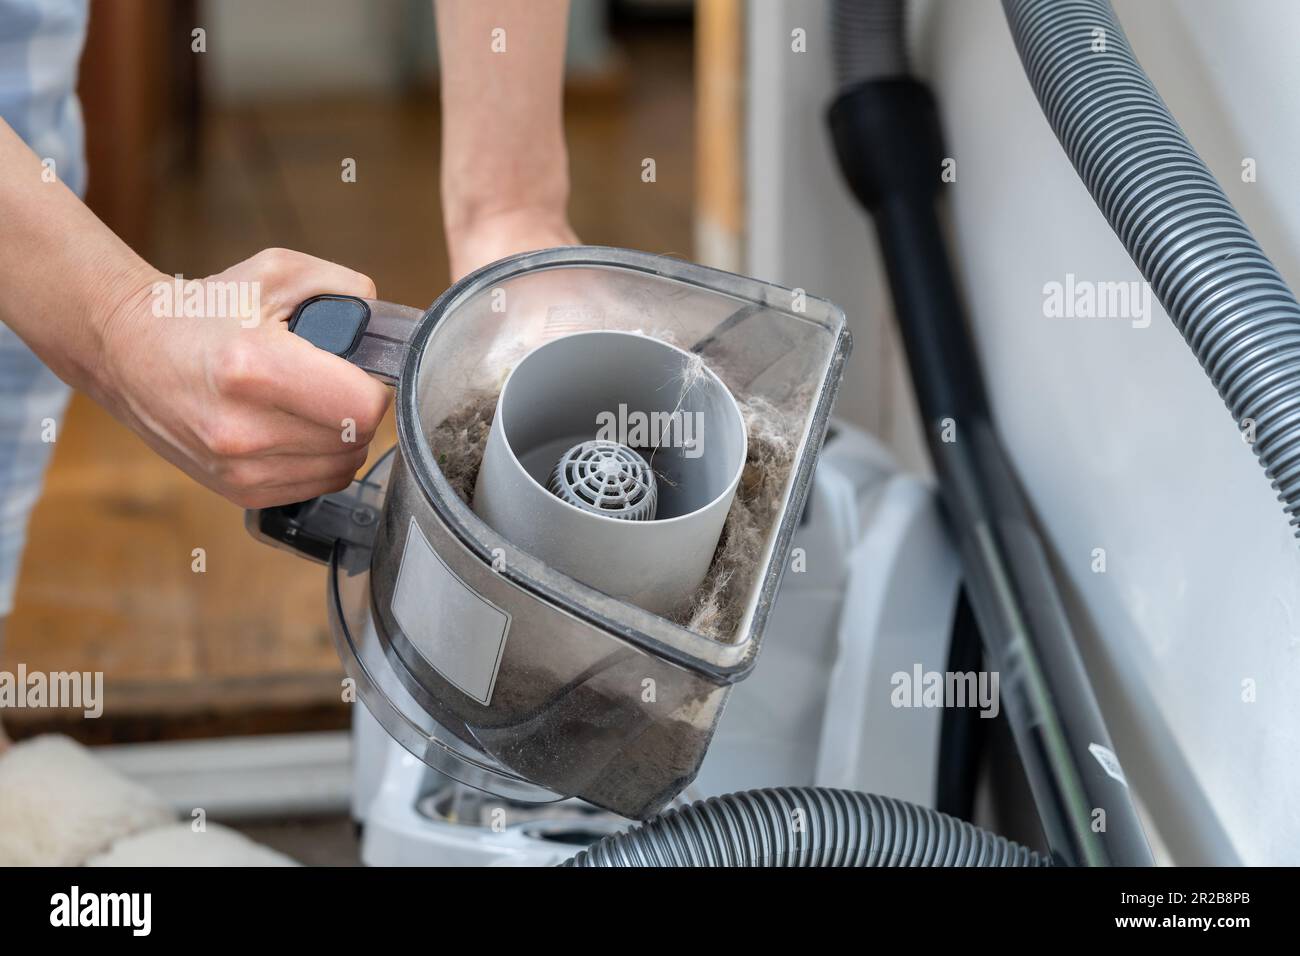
243 647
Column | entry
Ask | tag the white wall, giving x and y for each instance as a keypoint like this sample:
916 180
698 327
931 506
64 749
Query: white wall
1120 439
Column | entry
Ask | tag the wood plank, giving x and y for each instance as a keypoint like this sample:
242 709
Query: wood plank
719 132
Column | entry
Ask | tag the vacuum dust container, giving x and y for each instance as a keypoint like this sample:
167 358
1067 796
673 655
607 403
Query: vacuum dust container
548 588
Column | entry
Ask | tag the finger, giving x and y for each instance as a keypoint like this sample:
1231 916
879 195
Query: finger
280 370
281 471
286 278
325 389
284 434
275 495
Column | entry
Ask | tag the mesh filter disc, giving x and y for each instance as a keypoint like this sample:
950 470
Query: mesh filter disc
606 478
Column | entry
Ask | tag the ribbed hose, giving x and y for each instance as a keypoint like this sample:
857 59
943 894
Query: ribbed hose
805 826
867 41
1205 267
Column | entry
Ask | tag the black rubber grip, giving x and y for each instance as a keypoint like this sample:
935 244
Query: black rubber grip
334 323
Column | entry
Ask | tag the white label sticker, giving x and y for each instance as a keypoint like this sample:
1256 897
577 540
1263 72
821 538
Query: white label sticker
1109 762
458 631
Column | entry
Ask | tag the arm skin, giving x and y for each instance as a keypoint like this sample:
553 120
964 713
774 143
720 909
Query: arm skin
505 169
251 411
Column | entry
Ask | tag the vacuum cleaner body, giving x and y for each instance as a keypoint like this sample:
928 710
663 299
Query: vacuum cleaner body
479 655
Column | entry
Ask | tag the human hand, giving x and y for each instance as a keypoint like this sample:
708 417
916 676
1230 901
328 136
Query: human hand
229 395
490 237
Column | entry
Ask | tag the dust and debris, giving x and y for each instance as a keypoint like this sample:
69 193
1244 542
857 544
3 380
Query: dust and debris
459 439
691 375
718 605
716 609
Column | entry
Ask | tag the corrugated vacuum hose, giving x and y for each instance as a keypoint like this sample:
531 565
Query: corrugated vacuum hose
867 40
805 826
1223 294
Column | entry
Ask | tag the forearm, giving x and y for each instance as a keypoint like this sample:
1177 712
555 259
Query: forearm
503 145
63 273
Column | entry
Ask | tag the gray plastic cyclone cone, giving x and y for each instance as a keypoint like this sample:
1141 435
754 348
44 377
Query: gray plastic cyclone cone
652 398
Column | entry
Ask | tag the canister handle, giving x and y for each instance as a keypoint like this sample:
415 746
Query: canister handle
312 529
371 334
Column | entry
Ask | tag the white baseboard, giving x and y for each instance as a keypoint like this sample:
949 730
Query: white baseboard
240 778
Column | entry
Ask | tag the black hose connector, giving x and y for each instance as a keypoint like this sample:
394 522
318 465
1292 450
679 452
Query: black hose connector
887 138
889 143
805 826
